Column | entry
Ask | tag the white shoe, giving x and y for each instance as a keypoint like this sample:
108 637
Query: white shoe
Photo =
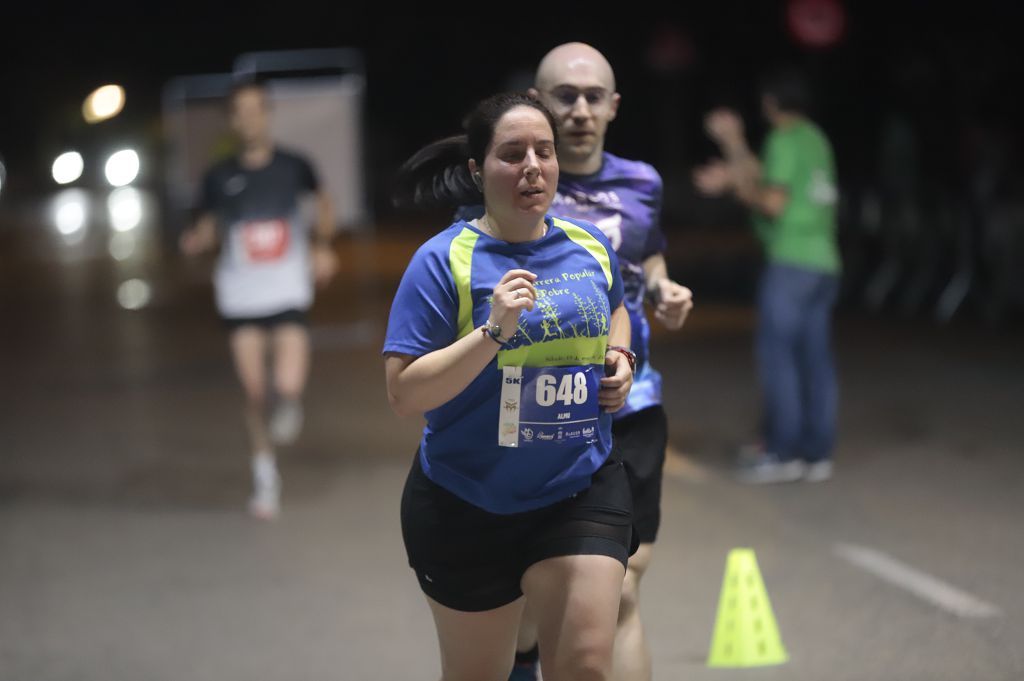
818 471
769 470
265 502
286 422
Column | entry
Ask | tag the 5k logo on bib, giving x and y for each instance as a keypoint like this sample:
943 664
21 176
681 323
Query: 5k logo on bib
265 240
549 406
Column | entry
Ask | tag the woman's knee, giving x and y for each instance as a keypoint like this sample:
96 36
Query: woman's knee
585 661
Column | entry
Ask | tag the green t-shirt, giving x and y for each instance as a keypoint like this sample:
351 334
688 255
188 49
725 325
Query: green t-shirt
798 158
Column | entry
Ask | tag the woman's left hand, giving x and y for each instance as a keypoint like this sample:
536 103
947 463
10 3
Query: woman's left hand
615 387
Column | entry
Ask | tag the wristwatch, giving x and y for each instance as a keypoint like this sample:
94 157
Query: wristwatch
628 354
493 331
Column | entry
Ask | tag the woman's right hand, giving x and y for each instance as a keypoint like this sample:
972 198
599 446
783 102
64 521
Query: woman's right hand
513 294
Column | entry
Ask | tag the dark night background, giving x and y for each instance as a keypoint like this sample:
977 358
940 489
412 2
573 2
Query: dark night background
918 98
125 550
953 68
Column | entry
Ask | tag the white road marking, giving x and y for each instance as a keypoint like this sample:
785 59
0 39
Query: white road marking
921 584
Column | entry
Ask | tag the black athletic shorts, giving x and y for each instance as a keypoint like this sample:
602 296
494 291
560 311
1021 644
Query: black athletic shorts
639 442
292 316
471 560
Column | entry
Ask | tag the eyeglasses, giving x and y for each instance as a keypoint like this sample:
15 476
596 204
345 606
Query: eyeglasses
566 96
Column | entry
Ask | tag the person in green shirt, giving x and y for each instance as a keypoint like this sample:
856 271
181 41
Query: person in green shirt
791 192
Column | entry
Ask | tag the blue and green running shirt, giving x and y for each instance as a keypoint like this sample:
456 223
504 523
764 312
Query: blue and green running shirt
554 362
622 199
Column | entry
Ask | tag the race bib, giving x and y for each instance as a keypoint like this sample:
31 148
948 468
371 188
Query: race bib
265 240
548 406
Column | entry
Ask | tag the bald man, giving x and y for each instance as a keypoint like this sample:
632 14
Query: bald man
623 198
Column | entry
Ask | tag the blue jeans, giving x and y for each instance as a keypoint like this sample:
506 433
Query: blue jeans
794 356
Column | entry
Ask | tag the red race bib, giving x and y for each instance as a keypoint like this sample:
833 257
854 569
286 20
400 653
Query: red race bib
265 240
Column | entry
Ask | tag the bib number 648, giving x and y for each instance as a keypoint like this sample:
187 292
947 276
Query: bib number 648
571 389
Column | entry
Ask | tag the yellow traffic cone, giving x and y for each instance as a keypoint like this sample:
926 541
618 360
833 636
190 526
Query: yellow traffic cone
746 634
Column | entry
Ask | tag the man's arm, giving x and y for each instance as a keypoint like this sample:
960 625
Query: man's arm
325 260
748 185
672 301
201 237
323 230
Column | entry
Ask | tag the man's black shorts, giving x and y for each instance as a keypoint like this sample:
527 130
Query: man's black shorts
639 441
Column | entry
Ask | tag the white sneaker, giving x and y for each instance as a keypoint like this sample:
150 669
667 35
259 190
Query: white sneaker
818 471
770 470
265 502
286 422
